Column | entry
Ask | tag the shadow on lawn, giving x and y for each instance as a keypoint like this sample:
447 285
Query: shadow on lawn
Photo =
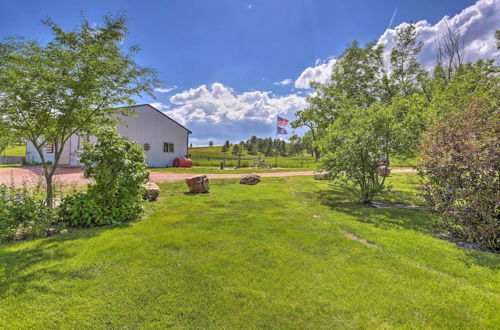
420 221
44 262
342 201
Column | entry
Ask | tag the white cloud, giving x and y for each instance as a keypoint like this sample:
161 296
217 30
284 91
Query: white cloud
319 73
217 104
160 106
476 24
284 82
165 90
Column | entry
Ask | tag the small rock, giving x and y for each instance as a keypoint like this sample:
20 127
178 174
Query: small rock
323 175
64 231
151 191
198 184
250 179
22 232
401 206
315 216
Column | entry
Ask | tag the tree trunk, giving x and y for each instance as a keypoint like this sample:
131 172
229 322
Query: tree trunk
316 154
49 199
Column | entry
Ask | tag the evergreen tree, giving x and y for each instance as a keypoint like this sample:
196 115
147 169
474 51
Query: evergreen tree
236 149
226 146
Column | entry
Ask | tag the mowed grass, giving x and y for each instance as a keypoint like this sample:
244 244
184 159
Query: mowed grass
274 255
18 150
215 170
213 156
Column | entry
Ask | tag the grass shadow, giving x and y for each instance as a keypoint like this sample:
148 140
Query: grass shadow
24 269
344 202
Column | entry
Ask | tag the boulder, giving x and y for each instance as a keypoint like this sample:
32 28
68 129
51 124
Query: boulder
384 171
22 232
151 191
250 179
323 175
198 184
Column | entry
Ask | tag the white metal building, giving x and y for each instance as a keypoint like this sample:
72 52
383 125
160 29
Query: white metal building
161 137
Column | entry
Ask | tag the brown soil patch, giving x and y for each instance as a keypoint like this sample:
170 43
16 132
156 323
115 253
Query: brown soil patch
359 239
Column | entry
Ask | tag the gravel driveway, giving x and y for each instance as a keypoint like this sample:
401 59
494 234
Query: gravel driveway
19 176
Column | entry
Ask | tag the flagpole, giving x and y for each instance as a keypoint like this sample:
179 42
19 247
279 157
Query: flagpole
276 142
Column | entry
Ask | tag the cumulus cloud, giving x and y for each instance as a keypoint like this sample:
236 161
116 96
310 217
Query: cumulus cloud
284 82
218 103
319 73
160 106
165 90
476 25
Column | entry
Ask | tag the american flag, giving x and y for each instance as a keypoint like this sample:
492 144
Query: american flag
282 121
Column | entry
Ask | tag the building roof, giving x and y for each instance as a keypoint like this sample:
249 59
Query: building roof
149 105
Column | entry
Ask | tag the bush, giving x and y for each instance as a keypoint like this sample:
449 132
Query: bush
356 141
24 213
117 167
460 164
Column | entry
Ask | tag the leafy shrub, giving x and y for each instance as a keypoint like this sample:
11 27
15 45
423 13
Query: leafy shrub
356 141
460 163
24 210
117 167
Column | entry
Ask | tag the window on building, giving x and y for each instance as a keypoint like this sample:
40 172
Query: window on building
168 147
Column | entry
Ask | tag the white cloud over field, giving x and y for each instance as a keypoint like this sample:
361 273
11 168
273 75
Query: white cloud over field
476 25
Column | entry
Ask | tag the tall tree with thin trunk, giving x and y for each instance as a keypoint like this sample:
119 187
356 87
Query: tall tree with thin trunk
406 72
450 51
71 85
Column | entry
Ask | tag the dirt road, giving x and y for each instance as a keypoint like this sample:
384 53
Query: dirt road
29 176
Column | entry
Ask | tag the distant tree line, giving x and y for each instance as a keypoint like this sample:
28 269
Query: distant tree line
296 145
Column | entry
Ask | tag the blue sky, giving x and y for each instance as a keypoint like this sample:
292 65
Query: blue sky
228 67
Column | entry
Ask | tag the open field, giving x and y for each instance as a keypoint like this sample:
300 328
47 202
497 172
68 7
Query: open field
287 253
213 156
210 158
215 170
19 150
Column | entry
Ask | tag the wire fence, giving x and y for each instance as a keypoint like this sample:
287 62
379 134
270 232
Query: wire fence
263 162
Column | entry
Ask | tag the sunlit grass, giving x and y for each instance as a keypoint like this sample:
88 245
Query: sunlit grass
213 156
18 150
280 254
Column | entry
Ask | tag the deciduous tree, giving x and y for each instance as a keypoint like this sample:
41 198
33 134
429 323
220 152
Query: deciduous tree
71 85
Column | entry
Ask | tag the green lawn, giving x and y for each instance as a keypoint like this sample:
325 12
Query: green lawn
215 170
18 150
274 255
213 156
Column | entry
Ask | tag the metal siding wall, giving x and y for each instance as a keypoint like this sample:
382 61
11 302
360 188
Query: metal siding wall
34 156
150 126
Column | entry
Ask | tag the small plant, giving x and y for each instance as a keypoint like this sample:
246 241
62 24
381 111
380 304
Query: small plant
24 214
117 167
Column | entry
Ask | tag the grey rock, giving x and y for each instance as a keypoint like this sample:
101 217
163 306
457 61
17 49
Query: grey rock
64 231
323 175
250 179
151 191
22 232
